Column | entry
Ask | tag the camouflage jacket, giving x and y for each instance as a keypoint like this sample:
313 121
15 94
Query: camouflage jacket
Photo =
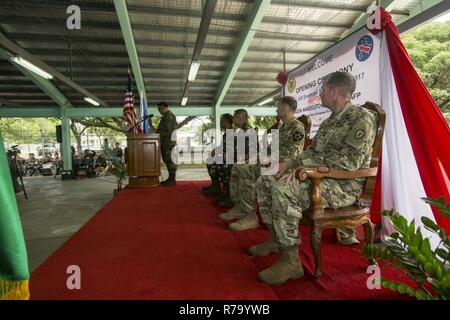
344 141
166 127
291 139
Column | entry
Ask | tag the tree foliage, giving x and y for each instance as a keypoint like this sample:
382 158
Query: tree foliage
30 130
429 49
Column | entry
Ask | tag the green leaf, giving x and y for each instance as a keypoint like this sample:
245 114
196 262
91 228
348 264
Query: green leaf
430 224
443 254
430 268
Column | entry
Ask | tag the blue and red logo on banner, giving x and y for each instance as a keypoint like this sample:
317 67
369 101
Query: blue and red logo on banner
364 48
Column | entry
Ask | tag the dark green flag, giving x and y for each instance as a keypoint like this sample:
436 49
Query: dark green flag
14 274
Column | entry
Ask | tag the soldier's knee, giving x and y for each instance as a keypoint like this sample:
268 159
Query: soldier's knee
278 187
264 181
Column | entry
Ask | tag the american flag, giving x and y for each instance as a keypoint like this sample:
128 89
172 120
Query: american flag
128 108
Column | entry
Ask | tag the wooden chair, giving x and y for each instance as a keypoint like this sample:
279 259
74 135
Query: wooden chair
307 122
319 218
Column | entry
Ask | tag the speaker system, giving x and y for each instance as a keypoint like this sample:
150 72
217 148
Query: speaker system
59 134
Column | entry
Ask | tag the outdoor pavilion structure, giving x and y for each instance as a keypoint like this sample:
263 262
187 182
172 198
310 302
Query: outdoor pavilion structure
239 46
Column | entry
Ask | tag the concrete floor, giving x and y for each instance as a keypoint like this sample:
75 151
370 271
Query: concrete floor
56 209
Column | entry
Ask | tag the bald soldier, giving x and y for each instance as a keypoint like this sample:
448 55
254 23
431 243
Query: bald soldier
343 141
244 177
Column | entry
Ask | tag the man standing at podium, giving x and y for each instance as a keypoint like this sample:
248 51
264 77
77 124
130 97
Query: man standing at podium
166 127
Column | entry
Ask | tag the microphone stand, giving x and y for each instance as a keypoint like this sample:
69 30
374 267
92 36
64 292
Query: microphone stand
139 122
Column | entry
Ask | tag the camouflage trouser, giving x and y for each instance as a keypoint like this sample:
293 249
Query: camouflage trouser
166 153
220 172
243 186
281 205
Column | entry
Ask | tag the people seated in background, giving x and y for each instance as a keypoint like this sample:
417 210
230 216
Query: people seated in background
56 157
291 142
343 141
117 150
31 158
46 158
220 172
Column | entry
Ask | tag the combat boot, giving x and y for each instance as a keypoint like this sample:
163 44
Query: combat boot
288 267
267 247
225 201
209 187
170 180
235 213
213 190
250 221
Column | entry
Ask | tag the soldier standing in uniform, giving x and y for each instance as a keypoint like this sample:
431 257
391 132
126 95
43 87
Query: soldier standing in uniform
343 141
291 142
220 172
166 127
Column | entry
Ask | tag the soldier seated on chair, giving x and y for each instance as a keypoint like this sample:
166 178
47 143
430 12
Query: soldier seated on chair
343 141
220 172
244 177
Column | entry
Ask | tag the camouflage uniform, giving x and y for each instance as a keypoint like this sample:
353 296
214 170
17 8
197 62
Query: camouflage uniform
343 141
220 171
244 176
165 129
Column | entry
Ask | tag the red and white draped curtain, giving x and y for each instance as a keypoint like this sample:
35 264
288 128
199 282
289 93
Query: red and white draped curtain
415 160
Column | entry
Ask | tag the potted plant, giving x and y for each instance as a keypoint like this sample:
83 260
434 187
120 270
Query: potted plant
408 251
119 170
116 166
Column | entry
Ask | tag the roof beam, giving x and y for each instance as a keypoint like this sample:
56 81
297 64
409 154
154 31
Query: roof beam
11 47
118 41
191 13
207 14
333 6
46 85
146 27
254 19
362 20
423 12
125 25
258 10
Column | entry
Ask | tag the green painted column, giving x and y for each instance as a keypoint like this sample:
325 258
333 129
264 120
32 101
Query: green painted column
217 121
66 144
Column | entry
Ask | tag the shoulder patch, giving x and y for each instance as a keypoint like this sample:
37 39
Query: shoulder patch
360 134
298 135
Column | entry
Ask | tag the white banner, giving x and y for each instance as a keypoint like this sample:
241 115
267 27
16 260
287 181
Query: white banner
358 54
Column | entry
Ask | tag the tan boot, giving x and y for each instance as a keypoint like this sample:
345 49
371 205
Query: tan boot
288 267
250 221
267 247
234 213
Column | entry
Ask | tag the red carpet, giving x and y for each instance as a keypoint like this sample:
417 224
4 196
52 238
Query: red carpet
167 243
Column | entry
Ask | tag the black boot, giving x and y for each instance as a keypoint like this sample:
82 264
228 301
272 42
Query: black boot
225 201
170 180
214 190
212 185
208 187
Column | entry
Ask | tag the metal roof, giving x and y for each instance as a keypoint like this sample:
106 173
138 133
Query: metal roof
165 34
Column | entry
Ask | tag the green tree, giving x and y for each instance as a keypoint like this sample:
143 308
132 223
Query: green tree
429 48
28 130
262 122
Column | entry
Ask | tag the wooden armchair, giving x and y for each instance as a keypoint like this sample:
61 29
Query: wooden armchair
307 122
319 218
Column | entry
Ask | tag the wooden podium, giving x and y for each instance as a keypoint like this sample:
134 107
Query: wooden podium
144 159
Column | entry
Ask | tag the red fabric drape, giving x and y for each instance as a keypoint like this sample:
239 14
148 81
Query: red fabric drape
427 128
